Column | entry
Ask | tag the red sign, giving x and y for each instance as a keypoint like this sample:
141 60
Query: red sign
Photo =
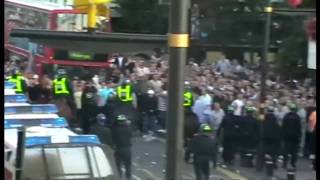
312 28
294 3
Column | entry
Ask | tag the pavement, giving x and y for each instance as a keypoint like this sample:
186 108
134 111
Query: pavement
149 160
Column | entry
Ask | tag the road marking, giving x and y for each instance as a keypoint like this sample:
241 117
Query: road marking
149 173
136 177
231 174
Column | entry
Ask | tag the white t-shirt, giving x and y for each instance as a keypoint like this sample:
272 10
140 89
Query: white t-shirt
142 71
238 104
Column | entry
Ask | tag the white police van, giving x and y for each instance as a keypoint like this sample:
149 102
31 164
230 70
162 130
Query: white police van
8 88
51 150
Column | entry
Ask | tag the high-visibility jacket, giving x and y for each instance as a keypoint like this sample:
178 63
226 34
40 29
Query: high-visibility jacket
18 81
60 87
124 93
188 99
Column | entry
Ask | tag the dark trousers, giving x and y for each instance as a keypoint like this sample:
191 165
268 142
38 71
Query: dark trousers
123 158
290 147
202 170
271 147
229 149
88 116
162 119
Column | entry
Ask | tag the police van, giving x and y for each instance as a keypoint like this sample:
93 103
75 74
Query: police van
9 88
51 150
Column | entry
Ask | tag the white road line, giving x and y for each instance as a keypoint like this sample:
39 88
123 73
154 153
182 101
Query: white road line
136 177
149 173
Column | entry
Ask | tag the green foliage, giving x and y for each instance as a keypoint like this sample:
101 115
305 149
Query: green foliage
143 16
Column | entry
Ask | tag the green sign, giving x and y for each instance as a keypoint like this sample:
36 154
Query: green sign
80 56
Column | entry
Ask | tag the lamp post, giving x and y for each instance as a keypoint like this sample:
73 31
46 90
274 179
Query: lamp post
263 65
178 42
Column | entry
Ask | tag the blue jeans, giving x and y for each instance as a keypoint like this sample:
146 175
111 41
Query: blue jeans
149 123
162 117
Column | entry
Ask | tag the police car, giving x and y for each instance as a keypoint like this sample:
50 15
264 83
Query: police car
57 153
9 88
51 150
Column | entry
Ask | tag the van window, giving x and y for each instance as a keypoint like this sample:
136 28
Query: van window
66 163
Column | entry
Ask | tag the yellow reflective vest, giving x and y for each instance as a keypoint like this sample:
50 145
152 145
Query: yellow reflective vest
60 87
124 93
188 99
17 80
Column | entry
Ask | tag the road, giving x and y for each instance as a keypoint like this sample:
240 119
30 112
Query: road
149 163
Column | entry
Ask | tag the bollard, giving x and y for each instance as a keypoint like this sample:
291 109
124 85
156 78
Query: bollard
291 174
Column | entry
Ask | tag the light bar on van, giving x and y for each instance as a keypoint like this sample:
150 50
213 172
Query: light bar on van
45 140
9 85
53 123
34 109
17 98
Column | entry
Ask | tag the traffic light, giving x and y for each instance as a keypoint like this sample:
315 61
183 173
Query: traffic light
294 3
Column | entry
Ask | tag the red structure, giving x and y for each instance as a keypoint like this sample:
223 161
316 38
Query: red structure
294 3
312 28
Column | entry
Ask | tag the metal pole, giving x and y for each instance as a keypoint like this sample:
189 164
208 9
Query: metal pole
178 42
263 65
20 153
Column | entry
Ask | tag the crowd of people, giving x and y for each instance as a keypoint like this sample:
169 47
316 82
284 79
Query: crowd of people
225 96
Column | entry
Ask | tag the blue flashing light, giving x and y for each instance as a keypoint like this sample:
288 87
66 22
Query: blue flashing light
9 85
53 123
17 98
84 139
44 140
35 109
37 140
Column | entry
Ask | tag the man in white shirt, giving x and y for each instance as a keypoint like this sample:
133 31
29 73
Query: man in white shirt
141 70
238 104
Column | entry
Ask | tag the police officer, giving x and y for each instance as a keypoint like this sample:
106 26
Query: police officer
204 148
121 136
230 127
62 90
188 96
88 106
291 129
249 132
18 80
125 92
191 127
271 135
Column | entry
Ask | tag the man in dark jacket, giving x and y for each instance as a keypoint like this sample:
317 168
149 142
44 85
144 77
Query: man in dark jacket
249 132
230 127
89 107
121 136
149 106
191 127
271 136
291 134
204 148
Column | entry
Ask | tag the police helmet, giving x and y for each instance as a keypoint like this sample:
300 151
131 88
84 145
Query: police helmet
250 109
210 88
205 128
101 119
16 71
150 92
121 118
270 109
231 109
187 83
292 107
61 72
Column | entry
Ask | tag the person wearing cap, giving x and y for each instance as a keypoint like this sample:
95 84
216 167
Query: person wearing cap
249 129
291 134
34 89
18 80
121 132
231 130
203 146
271 136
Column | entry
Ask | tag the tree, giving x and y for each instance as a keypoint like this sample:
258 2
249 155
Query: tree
143 16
